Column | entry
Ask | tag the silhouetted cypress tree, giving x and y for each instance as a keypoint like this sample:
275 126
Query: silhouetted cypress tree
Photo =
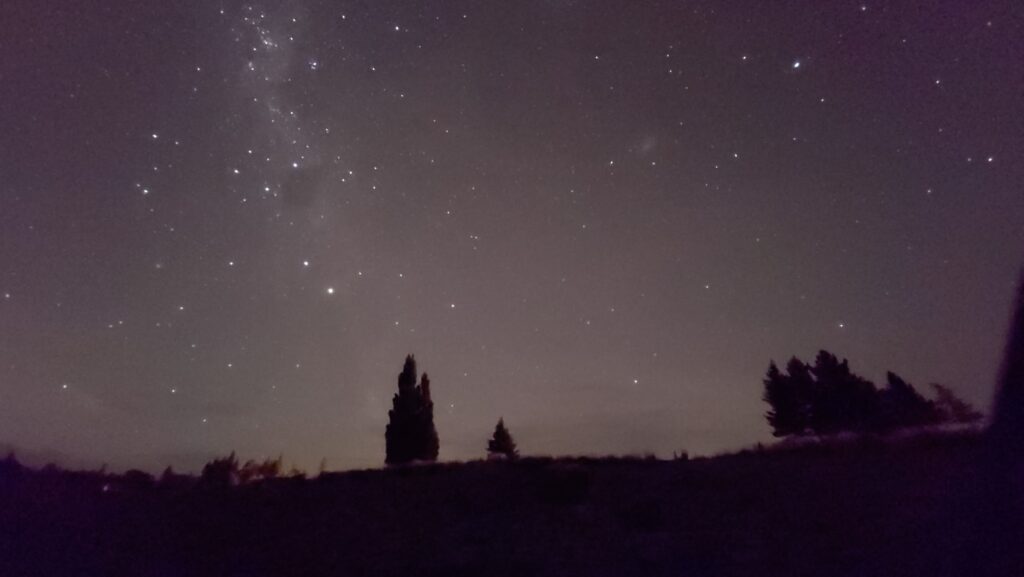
501 443
790 398
844 401
410 434
953 409
901 406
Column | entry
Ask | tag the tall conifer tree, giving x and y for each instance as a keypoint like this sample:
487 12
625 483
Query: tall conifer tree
410 434
501 443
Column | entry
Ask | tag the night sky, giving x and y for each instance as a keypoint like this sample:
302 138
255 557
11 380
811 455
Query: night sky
223 225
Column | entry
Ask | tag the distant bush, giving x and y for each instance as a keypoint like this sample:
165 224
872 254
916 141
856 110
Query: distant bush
223 472
10 467
137 480
175 481
226 472
254 471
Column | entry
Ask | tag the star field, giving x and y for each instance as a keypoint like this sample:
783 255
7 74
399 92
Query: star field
224 225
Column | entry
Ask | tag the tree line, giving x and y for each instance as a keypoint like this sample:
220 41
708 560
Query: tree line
410 435
823 398
827 397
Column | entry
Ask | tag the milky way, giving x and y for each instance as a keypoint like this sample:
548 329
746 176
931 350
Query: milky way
224 225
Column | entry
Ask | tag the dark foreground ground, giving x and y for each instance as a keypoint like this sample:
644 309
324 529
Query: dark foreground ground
932 506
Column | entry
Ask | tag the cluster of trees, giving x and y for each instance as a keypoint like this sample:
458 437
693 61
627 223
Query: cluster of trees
822 398
411 436
827 398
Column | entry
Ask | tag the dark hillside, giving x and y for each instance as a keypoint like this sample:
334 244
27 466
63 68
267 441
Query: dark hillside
914 508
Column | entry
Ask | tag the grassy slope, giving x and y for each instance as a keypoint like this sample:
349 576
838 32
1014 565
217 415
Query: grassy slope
917 508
